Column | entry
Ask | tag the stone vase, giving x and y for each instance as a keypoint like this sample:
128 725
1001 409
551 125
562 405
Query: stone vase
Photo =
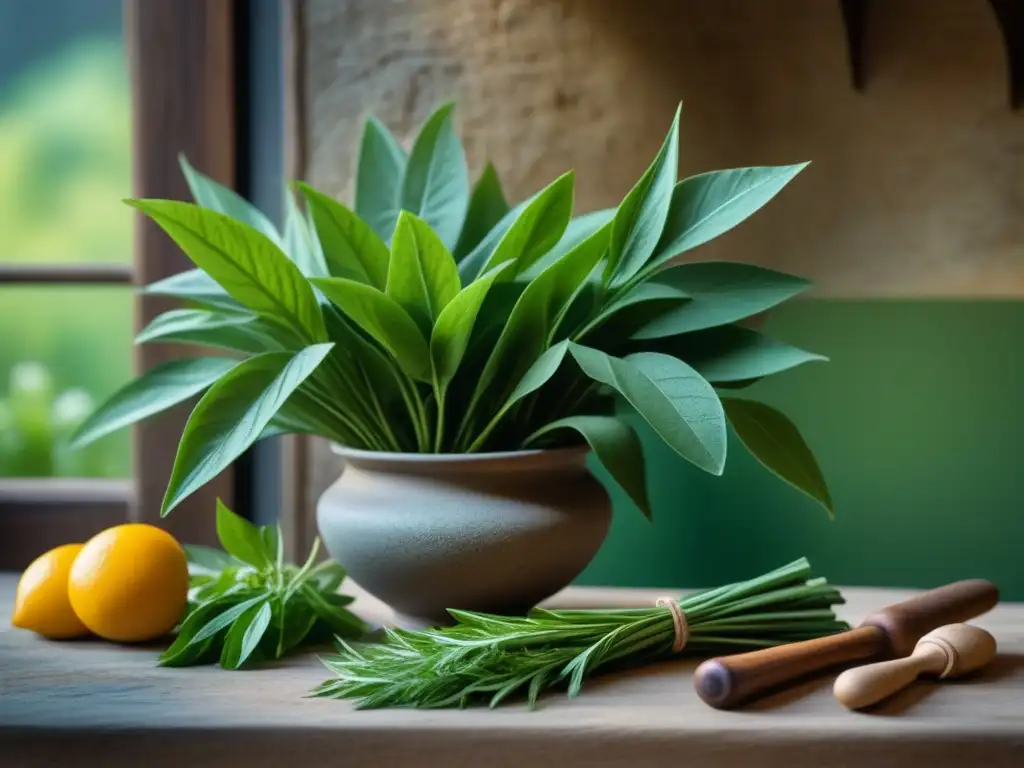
492 532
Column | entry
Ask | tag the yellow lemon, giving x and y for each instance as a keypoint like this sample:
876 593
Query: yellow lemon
41 601
129 583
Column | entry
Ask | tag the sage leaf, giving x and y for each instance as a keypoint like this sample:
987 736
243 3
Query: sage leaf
232 331
196 286
341 621
471 265
184 651
216 197
537 228
681 407
384 320
720 293
487 206
731 353
710 204
158 389
650 295
352 249
435 186
232 414
300 241
422 275
617 447
273 543
579 229
454 327
208 558
641 216
222 621
250 267
240 538
299 620
245 635
379 172
534 317
776 443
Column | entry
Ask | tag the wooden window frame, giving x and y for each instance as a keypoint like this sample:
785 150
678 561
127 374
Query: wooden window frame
181 59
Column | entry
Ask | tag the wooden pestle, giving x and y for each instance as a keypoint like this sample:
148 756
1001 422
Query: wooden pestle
728 681
949 651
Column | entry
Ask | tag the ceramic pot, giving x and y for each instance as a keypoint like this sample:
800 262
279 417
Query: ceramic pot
494 532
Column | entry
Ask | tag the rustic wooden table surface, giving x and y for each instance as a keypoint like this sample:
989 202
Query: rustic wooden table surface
94 704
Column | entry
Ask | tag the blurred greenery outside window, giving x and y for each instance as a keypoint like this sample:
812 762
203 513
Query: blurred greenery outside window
65 164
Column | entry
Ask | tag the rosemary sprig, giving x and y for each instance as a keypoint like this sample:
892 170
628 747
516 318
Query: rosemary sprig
246 604
484 659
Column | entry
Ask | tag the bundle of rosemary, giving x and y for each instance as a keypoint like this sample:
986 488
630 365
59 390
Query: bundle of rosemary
485 658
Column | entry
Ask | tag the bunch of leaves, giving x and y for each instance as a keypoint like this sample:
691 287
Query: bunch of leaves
247 605
434 317
485 659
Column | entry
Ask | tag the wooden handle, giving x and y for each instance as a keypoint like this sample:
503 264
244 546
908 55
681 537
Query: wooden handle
907 622
727 681
894 631
863 686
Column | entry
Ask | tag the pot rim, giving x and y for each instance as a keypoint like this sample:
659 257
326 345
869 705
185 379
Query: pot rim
526 459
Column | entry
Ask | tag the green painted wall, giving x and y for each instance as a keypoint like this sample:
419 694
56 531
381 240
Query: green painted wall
918 423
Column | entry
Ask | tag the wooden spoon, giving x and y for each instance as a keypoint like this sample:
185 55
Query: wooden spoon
948 651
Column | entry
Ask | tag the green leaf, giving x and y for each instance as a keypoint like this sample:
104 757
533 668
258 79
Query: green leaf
216 197
352 249
341 621
435 186
249 266
641 216
184 651
470 266
245 635
537 229
721 293
384 320
487 206
681 407
196 286
273 544
579 229
535 316
710 204
225 330
731 353
617 447
223 620
300 241
232 414
650 298
207 557
422 275
299 620
454 327
775 441
156 390
240 538
379 172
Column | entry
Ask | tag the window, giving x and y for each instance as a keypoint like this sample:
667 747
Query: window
96 101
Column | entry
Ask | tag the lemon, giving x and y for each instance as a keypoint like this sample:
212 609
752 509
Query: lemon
129 583
41 601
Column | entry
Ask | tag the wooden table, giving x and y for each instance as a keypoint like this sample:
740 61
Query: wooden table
94 704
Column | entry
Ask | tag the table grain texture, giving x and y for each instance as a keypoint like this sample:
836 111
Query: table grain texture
88 703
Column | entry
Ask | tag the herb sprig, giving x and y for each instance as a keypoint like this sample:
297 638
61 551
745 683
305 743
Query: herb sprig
246 604
485 659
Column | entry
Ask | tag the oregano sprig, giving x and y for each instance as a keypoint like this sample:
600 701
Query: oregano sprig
247 605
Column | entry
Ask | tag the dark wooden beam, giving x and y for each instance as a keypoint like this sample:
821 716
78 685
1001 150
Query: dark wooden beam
854 23
183 101
59 274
